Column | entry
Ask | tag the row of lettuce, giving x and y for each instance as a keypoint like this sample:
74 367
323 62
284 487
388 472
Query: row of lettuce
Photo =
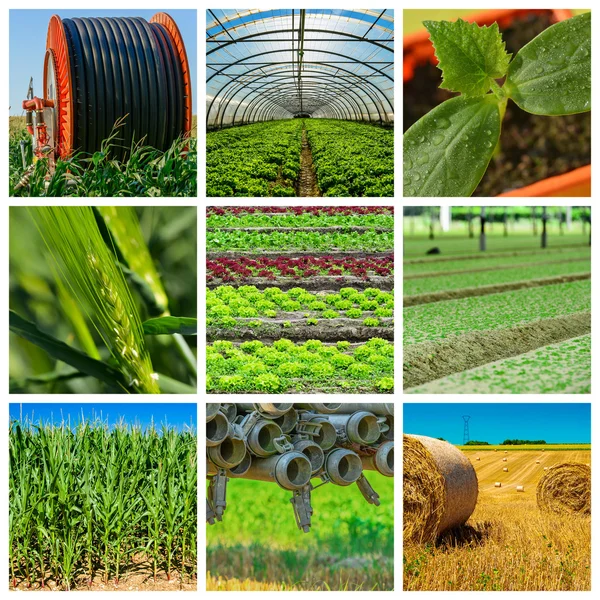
350 159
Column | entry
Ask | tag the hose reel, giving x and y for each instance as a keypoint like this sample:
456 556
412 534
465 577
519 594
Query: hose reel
102 71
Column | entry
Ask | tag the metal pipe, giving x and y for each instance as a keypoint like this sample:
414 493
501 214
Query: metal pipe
227 454
211 410
361 427
328 408
288 421
217 429
382 461
327 435
388 434
261 437
230 411
343 467
237 471
268 408
313 452
377 408
291 470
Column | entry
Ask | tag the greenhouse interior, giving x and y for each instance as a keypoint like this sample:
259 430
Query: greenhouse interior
300 102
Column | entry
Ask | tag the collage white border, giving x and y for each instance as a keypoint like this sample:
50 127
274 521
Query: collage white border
201 202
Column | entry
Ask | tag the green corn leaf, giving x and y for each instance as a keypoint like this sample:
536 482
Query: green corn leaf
170 325
168 385
552 74
60 351
447 151
470 57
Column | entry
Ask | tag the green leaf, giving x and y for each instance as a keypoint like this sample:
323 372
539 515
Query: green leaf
168 385
171 325
552 74
470 57
60 351
447 151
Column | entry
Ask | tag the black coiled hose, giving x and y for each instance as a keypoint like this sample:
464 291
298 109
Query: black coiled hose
124 66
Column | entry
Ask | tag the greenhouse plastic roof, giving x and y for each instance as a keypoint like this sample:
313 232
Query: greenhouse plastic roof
284 63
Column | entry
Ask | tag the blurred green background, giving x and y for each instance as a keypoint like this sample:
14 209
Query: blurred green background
350 545
170 234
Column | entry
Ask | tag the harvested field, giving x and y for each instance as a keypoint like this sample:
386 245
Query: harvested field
508 543
504 320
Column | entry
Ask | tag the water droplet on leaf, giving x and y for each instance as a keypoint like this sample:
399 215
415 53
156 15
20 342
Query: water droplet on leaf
423 158
442 123
416 176
437 139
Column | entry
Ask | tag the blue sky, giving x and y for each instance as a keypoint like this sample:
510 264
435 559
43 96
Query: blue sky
174 414
493 423
27 45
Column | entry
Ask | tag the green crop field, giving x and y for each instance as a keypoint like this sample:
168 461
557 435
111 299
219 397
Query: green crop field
350 546
431 321
264 159
512 318
147 172
529 447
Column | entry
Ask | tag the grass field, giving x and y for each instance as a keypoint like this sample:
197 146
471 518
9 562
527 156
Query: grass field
259 547
148 172
508 544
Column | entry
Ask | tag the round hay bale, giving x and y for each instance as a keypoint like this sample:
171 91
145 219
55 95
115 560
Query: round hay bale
566 488
505 469
505 460
478 458
440 488
537 462
497 484
545 468
520 488
506 452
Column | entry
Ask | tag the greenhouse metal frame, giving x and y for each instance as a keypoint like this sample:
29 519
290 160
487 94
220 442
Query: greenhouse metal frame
265 65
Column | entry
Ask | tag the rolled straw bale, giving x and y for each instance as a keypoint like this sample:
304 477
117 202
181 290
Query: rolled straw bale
566 488
497 484
505 460
537 462
520 488
545 468
505 469
478 458
506 452
440 488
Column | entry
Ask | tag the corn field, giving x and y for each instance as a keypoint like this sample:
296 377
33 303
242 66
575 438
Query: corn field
95 503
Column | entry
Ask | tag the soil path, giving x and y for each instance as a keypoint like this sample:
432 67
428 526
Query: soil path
433 360
485 290
332 252
307 180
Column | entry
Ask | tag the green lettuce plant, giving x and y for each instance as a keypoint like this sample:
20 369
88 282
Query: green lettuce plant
447 151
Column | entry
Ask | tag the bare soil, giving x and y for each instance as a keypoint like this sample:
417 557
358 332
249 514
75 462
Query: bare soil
307 179
432 360
486 290
326 330
318 283
138 579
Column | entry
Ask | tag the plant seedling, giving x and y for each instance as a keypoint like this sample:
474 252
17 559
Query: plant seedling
447 151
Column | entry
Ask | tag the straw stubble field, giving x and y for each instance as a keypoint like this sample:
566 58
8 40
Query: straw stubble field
508 543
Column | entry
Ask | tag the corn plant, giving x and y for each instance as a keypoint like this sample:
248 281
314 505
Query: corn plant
93 501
